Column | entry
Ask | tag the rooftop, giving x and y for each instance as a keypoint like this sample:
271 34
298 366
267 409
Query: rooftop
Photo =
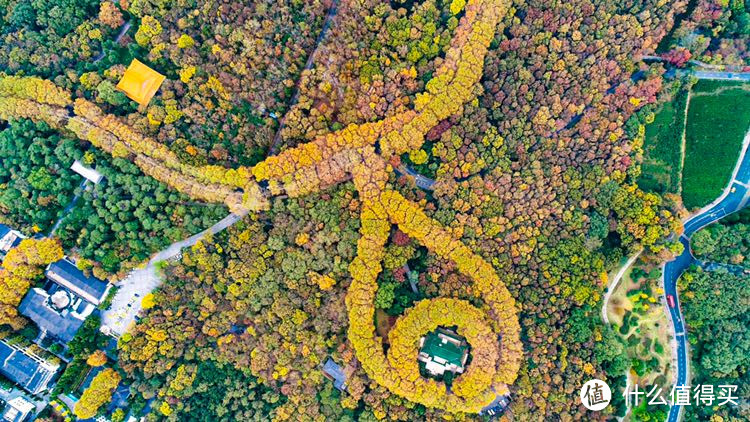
4 230
9 238
17 409
63 324
28 370
69 276
443 350
333 371
140 82
87 172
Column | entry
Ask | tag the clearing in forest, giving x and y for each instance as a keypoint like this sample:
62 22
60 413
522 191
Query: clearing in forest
661 147
637 315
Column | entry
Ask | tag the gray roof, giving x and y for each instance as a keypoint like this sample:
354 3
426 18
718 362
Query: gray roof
17 409
29 372
68 275
333 370
62 327
497 406
13 415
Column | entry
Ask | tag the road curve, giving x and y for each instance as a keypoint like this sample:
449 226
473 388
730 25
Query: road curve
734 198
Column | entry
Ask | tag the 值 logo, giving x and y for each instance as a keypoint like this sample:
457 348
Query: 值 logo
595 394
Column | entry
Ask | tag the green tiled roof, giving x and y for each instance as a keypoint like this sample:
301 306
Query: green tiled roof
434 346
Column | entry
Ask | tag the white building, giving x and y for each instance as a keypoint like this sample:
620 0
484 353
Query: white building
87 172
17 409
9 238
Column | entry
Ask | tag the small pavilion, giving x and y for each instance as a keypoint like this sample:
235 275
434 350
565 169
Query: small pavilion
443 351
140 82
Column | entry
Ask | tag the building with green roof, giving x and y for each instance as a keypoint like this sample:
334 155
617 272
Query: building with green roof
443 351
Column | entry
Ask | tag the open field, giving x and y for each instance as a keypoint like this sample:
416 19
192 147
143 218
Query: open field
718 118
638 317
661 147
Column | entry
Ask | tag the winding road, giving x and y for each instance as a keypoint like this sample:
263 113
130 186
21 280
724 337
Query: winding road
734 198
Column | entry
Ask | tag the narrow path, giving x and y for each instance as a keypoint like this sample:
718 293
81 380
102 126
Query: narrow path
734 198
127 302
683 141
615 281
117 39
310 60
605 317
67 210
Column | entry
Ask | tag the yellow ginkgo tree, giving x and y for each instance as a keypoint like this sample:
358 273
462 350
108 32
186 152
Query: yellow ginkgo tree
350 153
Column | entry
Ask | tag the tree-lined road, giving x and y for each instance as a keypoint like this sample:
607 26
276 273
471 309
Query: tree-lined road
734 198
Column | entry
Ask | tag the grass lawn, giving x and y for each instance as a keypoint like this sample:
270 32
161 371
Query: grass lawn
718 118
661 148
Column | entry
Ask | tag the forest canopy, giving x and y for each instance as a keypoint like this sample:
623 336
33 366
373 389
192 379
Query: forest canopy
309 119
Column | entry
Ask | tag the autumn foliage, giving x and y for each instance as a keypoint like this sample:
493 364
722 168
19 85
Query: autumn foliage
534 163
21 267
331 159
98 394
296 171
398 370
97 358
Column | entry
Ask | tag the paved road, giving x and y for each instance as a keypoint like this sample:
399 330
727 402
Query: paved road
719 75
127 302
710 74
734 198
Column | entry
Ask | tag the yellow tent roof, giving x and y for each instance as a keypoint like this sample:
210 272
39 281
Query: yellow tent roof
140 82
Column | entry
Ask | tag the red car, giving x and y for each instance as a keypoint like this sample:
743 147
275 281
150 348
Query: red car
670 301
